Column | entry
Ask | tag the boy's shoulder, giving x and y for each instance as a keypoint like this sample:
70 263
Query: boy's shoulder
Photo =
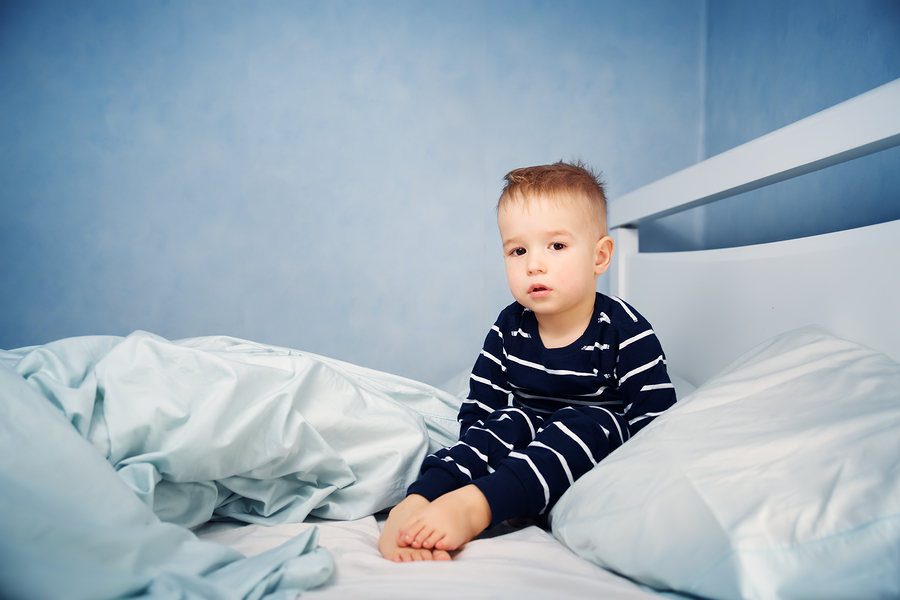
619 313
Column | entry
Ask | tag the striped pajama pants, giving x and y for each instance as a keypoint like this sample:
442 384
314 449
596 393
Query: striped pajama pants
522 461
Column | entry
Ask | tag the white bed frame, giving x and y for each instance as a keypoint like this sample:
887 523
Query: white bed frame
847 282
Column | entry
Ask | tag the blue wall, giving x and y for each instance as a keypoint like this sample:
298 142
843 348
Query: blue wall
322 175
318 175
770 63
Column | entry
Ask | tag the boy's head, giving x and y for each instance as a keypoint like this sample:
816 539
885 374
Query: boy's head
552 223
574 184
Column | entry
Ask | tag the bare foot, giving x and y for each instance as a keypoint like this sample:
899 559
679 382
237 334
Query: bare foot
387 542
447 523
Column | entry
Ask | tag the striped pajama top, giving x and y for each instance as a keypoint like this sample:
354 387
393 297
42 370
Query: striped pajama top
539 418
618 365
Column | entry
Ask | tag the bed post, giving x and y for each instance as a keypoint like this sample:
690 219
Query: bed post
625 240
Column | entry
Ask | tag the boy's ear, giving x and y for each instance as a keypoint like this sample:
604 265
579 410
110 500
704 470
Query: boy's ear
604 252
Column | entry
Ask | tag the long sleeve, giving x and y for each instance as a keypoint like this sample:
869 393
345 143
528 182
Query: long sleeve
642 378
489 389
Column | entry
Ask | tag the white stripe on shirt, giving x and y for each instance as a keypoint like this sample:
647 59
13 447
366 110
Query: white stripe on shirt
538 367
597 346
475 377
658 386
461 468
483 407
477 452
641 369
636 338
487 354
625 306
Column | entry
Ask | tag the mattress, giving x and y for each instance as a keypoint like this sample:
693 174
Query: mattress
503 563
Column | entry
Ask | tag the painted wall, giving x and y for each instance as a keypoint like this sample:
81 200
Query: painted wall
770 63
317 175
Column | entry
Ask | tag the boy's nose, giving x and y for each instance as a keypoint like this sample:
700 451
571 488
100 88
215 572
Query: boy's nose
536 266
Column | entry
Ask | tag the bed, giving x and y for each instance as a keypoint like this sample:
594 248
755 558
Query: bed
220 468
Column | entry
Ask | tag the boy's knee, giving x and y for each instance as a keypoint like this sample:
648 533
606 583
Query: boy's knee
518 413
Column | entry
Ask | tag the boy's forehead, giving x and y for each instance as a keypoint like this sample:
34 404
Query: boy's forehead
562 202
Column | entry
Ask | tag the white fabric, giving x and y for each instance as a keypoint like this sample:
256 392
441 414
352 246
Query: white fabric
219 426
71 528
779 478
525 564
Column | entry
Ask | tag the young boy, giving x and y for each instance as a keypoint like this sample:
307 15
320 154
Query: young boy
566 375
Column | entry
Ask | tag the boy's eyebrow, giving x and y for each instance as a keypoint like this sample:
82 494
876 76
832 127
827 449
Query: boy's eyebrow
551 234
559 232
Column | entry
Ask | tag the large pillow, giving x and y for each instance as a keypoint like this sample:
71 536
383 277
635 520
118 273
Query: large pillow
779 478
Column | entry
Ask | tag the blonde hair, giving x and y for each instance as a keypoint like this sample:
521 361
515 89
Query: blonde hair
559 181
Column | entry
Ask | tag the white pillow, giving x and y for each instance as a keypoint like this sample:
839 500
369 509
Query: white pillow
779 478
683 387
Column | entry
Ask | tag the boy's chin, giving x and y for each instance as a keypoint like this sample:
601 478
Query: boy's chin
531 303
540 307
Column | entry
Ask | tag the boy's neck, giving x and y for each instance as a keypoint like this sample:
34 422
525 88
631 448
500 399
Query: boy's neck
558 331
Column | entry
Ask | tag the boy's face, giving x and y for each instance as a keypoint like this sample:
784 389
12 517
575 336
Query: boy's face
553 251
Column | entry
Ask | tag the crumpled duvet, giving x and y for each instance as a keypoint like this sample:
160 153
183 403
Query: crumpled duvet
110 447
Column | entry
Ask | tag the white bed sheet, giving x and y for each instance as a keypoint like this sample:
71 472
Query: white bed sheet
506 563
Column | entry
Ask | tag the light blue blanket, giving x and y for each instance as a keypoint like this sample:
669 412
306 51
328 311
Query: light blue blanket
110 447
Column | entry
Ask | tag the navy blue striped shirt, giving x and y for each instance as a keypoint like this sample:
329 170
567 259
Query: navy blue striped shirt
617 364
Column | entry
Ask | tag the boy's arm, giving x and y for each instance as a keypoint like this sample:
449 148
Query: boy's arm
644 381
488 387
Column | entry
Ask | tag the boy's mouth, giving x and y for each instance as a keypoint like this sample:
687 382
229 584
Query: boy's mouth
538 290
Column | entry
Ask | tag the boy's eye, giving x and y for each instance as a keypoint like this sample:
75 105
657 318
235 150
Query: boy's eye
557 246
518 252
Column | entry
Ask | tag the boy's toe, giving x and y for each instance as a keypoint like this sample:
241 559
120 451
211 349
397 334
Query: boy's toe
446 543
422 537
434 541
441 555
